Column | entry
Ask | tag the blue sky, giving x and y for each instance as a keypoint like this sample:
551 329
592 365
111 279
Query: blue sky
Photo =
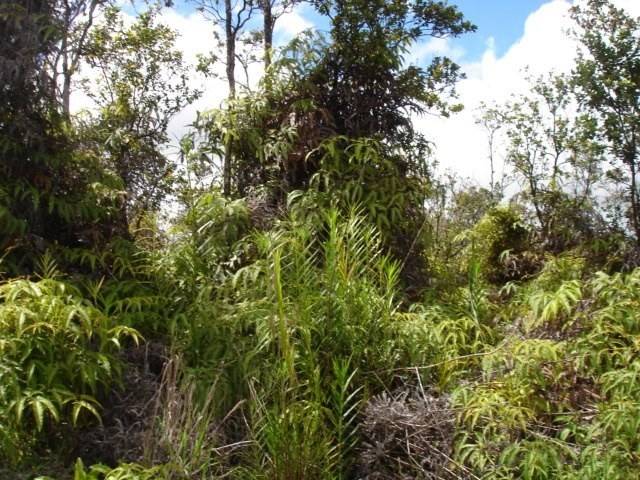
512 36
502 20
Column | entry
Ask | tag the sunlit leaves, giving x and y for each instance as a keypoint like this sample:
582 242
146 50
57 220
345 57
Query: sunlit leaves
56 353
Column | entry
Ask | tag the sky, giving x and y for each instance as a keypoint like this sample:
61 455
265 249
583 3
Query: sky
512 36
501 20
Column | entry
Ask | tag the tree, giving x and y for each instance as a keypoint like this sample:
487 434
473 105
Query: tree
607 80
333 119
272 10
492 122
75 18
554 155
142 84
52 192
28 29
367 86
233 17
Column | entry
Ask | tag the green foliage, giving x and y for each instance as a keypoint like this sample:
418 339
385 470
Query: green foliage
500 232
60 197
547 402
57 355
285 325
332 116
298 332
447 339
142 84
122 472
608 86
364 174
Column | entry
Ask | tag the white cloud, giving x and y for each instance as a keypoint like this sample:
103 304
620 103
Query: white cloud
422 51
461 144
195 37
291 24
545 46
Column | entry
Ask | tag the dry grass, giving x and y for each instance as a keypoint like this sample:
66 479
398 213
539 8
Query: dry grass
406 435
127 413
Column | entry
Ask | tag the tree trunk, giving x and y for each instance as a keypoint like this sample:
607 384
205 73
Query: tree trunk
635 208
66 94
231 48
231 79
66 75
268 32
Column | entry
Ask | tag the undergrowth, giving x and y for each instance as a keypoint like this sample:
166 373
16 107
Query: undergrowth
294 355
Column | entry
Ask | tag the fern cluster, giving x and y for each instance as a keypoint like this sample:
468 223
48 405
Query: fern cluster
56 357
557 397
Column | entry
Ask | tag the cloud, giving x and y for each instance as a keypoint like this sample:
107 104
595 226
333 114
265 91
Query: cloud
545 46
291 24
195 37
460 144
422 51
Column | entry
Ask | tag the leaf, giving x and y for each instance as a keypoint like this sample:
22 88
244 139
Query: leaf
80 405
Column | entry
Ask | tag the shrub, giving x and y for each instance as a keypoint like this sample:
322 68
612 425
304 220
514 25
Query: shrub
558 398
56 357
500 230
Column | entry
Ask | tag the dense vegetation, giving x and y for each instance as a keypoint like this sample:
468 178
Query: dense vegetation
297 294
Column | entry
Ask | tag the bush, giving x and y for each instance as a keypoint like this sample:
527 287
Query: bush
500 232
56 357
558 397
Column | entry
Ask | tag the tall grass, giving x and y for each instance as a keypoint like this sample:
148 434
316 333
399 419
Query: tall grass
299 336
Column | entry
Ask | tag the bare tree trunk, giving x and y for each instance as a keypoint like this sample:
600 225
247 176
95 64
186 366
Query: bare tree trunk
66 84
268 31
492 165
231 49
72 52
635 208
231 79
66 94
66 77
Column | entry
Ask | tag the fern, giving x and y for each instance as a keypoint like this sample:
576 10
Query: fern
548 308
57 353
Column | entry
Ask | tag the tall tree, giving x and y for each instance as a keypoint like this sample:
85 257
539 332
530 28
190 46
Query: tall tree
232 16
555 156
29 30
492 121
334 117
142 84
75 17
272 10
369 89
607 79
53 191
